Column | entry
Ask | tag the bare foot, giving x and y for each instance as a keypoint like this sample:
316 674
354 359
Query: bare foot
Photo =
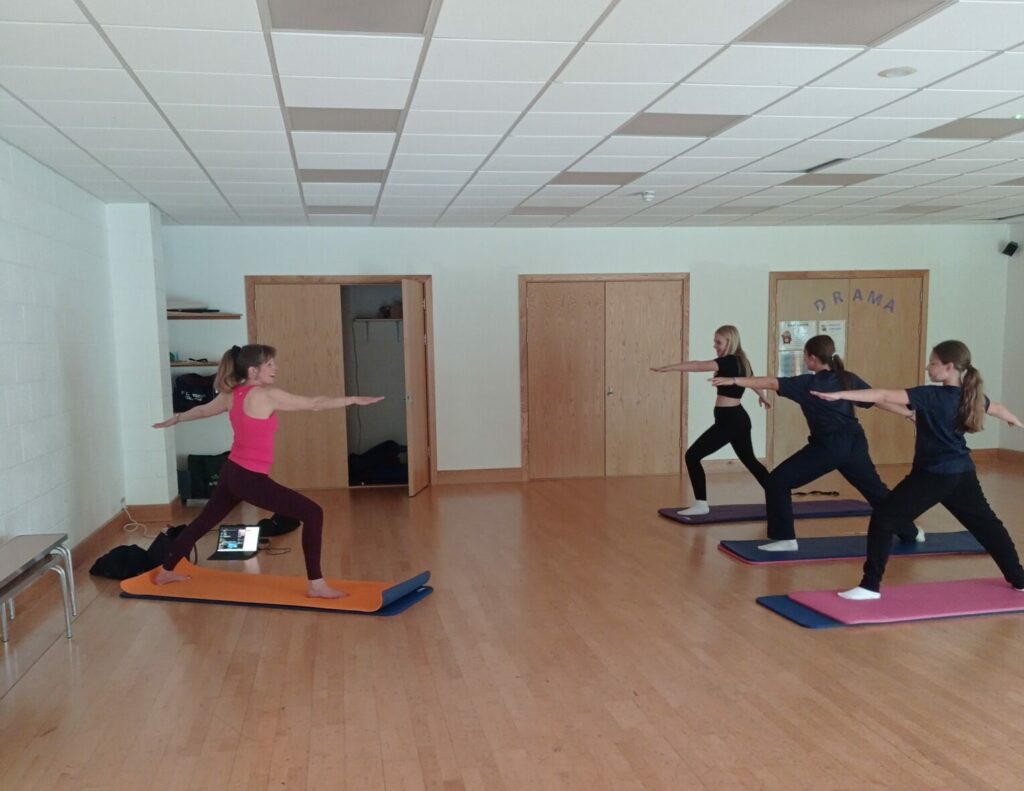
163 576
319 589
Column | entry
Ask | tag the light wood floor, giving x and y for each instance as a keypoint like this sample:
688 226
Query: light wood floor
575 640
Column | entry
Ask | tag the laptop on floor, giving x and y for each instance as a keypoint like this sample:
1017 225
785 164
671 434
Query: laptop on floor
237 542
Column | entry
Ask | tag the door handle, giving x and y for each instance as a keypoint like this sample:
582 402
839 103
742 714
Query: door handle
610 392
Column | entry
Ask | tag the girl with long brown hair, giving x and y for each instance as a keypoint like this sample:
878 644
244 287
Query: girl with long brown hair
732 423
943 471
837 441
245 389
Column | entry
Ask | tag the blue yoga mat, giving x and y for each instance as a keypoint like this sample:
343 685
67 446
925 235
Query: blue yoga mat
797 613
847 547
755 512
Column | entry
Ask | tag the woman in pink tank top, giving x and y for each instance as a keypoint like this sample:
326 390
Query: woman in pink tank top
245 390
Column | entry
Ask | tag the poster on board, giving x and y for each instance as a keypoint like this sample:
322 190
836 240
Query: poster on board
794 334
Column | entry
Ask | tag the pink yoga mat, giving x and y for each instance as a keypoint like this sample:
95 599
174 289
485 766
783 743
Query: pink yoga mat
918 602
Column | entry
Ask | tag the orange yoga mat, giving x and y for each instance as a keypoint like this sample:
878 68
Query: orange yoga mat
265 590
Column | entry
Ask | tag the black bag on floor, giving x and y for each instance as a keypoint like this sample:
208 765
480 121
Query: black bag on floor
277 525
121 563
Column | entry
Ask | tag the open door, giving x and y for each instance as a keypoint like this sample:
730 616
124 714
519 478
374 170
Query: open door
417 420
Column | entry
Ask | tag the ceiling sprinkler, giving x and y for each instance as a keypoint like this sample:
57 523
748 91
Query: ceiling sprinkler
648 196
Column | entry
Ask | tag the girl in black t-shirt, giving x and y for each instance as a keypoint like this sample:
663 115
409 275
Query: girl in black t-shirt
732 423
943 471
837 442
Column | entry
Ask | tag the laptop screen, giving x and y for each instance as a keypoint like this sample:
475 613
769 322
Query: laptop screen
238 538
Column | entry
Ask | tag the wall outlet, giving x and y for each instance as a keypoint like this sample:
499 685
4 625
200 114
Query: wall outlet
123 502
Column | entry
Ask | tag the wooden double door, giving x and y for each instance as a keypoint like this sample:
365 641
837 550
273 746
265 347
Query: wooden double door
302 319
880 322
591 405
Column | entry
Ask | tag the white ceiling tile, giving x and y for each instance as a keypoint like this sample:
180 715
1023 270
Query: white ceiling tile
966 26
618 164
493 96
214 140
447 144
523 20
512 177
88 85
508 61
547 145
752 180
529 220
134 173
224 89
392 189
1011 109
205 116
698 164
344 142
951 166
453 162
100 137
127 115
935 103
340 219
746 64
739 147
681 21
54 45
529 163
1004 72
997 149
498 191
211 51
718 99
638 145
346 56
253 175
325 161
780 127
922 149
596 62
41 11
69 160
847 102
396 176
872 128
331 92
595 97
196 14
862 71
599 124
257 160
139 158
575 191
458 123
873 165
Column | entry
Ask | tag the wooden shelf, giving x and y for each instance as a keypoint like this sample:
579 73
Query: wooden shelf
183 315
369 320
189 364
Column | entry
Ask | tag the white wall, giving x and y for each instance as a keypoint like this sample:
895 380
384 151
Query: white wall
1013 350
60 437
476 307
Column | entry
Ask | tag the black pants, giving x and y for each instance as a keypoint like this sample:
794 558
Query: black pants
237 484
845 451
961 495
731 427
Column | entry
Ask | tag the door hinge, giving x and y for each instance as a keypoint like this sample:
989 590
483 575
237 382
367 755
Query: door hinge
424 305
424 339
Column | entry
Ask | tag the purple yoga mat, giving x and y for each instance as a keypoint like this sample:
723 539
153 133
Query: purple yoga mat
755 512
918 602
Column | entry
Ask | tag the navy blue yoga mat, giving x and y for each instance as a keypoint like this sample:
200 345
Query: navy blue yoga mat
846 547
797 613
755 512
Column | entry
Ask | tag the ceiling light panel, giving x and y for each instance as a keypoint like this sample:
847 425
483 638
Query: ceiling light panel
966 26
862 71
838 21
512 61
346 56
330 92
471 95
165 49
784 66
668 63
394 16
681 21
522 20
594 97
718 99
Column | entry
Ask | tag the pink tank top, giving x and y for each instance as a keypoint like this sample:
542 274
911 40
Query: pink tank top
253 447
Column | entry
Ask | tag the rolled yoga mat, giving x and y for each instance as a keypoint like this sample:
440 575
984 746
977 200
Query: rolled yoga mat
848 548
755 512
210 586
899 603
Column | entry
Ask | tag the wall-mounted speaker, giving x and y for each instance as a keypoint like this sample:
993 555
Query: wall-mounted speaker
1010 249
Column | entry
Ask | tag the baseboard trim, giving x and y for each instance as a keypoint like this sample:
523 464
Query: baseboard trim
499 475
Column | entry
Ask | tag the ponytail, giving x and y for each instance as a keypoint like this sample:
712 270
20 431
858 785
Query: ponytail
840 368
236 362
970 412
823 348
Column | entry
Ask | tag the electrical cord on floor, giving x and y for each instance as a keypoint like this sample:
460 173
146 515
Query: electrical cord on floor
267 549
817 492
132 526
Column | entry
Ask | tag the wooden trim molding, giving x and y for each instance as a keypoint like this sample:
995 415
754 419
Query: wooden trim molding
498 475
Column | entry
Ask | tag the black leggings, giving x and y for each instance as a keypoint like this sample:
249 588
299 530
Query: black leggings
731 427
961 494
237 484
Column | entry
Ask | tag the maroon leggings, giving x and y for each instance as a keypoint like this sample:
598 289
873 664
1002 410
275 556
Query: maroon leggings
237 484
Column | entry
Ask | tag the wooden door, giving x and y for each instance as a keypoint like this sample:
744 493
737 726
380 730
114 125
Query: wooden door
884 349
303 322
417 425
813 300
565 379
643 324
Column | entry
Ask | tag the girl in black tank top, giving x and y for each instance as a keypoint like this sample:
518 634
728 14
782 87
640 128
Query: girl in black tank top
732 423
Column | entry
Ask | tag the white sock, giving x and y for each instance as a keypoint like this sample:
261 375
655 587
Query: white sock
921 537
780 546
699 508
860 594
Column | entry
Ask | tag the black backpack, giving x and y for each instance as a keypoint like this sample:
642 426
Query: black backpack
191 390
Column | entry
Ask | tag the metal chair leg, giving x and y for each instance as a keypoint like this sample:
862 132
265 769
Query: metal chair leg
66 596
65 553
3 622
10 606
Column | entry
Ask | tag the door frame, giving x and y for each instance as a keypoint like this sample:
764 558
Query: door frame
524 402
773 323
251 281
